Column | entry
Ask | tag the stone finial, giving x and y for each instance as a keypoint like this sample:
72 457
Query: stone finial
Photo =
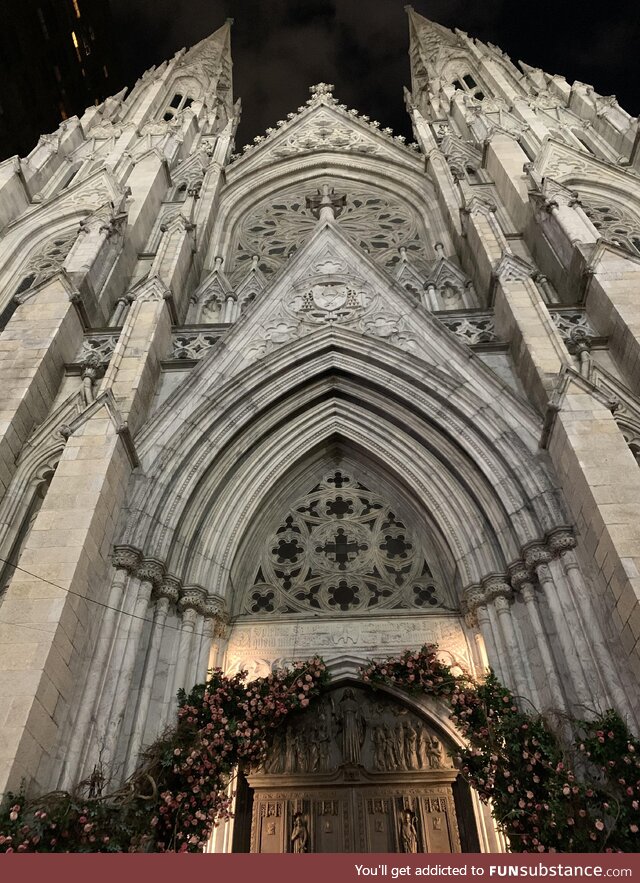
321 90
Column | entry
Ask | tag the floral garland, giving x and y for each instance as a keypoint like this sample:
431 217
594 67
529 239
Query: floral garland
181 790
552 786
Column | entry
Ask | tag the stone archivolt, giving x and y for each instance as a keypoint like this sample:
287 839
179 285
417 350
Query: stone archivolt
355 397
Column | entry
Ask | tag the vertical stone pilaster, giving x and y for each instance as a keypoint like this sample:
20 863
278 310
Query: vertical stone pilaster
43 334
44 619
166 594
601 482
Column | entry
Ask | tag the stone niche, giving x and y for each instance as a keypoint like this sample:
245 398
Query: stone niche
357 772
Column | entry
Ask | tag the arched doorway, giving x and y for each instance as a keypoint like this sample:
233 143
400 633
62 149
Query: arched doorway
358 772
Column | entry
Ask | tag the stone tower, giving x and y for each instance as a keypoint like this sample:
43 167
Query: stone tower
334 394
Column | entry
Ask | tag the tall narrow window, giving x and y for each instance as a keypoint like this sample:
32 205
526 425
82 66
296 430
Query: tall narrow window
76 8
20 541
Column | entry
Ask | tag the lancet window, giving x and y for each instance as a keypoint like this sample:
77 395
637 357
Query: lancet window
614 223
46 261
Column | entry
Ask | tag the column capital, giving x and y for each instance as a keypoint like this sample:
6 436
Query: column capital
193 598
126 558
496 586
519 575
561 540
535 555
169 588
151 570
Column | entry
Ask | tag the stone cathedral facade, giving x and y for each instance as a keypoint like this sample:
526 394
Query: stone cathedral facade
334 393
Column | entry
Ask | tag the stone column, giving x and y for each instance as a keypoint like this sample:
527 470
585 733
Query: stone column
500 593
166 594
229 309
475 603
537 559
191 605
521 581
111 714
562 544
125 561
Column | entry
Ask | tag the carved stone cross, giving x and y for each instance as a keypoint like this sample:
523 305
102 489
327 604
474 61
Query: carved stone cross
342 549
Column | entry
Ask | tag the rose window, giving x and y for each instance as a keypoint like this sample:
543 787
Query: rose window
341 548
276 228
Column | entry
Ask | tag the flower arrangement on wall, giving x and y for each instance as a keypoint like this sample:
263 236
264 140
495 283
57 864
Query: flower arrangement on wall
553 784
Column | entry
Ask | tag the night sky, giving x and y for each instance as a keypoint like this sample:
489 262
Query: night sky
281 47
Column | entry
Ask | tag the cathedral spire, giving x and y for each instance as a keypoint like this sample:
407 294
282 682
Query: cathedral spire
211 53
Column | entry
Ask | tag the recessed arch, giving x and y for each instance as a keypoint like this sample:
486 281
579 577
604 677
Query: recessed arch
430 432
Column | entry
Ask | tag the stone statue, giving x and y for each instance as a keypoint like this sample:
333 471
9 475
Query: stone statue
300 834
353 727
378 739
390 749
410 746
409 831
434 753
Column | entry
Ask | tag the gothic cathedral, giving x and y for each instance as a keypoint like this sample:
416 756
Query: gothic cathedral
332 394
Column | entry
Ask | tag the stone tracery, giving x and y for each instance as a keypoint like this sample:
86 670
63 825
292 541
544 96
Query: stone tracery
276 228
340 548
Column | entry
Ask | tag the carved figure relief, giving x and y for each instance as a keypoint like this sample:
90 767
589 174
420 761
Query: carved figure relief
356 772
341 548
352 728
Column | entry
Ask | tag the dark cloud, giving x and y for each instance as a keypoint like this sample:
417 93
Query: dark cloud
281 47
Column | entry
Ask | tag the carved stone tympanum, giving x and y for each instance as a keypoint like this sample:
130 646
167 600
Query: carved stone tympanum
356 772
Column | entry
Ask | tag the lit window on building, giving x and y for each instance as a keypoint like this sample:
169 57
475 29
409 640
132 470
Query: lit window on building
76 8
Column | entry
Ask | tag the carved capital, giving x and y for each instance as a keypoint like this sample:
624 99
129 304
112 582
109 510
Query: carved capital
536 555
495 586
519 575
561 541
169 588
151 571
126 558
473 598
193 598
501 603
